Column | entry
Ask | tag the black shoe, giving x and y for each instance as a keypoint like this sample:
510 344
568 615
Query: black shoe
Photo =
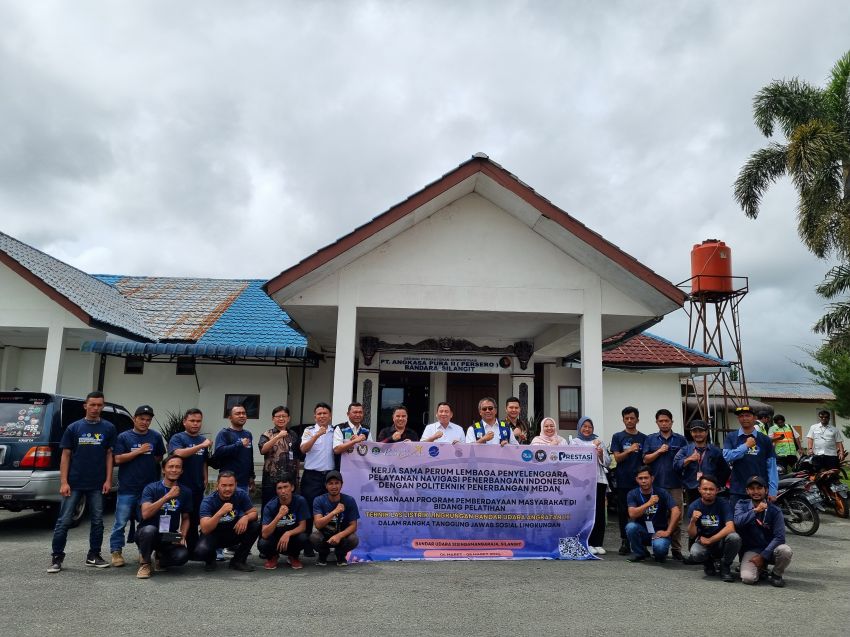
625 549
209 566
322 560
341 561
55 564
637 558
241 566
660 558
677 555
726 573
776 580
708 568
94 559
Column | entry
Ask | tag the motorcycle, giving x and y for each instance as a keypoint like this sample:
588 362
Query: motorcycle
799 501
828 482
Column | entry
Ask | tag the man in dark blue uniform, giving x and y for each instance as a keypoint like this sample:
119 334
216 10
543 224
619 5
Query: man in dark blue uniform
750 453
712 528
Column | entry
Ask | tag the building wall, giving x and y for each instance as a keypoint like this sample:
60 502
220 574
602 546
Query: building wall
801 414
318 387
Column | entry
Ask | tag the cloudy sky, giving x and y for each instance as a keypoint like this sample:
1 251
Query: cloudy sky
232 139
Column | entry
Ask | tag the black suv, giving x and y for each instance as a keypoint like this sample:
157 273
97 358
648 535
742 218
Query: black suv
31 427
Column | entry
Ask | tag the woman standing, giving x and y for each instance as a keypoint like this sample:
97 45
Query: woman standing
548 433
399 431
277 447
586 437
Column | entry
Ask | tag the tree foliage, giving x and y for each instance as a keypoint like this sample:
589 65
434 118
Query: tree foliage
833 371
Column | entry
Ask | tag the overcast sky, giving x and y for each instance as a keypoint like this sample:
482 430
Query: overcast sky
232 139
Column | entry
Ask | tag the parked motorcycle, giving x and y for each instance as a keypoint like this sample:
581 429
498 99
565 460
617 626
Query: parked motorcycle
828 482
799 501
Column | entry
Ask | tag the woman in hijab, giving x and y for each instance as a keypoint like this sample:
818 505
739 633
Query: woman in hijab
548 434
586 437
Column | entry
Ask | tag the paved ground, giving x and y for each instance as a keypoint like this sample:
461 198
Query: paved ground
610 597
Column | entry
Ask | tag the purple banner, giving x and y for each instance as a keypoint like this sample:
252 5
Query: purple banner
443 502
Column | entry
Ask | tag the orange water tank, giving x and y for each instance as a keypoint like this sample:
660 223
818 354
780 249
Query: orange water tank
711 267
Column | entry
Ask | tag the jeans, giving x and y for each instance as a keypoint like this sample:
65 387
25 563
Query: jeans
94 501
148 539
125 510
639 538
725 550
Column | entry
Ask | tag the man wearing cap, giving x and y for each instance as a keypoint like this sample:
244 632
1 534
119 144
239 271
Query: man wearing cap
654 517
335 516
137 453
712 528
699 458
762 529
786 443
824 440
749 452
444 430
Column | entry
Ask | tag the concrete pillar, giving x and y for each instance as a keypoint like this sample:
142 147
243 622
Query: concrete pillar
367 393
526 396
591 360
9 368
346 351
439 387
53 359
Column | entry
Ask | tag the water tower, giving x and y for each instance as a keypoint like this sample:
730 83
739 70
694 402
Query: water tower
715 328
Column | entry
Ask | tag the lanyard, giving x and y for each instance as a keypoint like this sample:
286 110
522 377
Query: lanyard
645 499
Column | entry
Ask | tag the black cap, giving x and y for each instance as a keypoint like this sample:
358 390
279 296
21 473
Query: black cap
333 475
744 409
698 424
757 480
144 410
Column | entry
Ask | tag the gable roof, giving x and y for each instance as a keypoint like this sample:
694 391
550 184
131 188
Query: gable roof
648 350
478 166
789 391
89 299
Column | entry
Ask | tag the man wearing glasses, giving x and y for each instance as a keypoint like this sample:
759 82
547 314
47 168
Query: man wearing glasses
489 430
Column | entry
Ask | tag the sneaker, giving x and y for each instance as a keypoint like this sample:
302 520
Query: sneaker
677 555
270 564
776 580
228 554
94 559
322 560
117 559
219 555
592 550
55 564
241 566
625 549
341 561
144 571
295 563
600 550
637 558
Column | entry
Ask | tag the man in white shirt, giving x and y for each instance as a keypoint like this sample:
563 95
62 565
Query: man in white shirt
317 447
444 430
348 434
825 442
490 430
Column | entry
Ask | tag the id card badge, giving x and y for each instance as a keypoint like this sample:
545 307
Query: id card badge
164 523
291 455
650 527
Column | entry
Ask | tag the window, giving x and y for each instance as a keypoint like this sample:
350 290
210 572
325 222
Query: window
569 407
251 403
134 365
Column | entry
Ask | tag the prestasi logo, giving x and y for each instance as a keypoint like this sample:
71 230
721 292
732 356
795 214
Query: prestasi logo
433 451
540 455
527 455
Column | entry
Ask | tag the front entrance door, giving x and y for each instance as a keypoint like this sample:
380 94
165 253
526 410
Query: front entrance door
465 390
410 389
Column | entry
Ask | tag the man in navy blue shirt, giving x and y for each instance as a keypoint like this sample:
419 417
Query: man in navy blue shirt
750 453
654 517
284 527
335 518
228 518
626 448
762 529
711 527
195 450
164 520
85 471
138 452
659 451
234 449
697 459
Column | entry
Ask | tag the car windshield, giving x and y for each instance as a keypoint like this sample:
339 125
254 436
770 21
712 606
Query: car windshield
23 418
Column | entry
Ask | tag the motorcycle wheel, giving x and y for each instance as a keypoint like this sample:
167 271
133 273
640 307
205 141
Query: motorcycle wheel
840 503
800 516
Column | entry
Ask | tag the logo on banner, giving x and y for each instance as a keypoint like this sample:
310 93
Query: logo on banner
362 449
553 456
433 451
376 451
540 455
527 455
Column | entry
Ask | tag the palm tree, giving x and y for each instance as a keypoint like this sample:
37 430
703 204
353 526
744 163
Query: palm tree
816 125
835 324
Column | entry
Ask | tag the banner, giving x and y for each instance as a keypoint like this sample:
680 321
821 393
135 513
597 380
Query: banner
448 363
465 501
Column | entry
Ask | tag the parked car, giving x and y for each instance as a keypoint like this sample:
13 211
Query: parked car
31 427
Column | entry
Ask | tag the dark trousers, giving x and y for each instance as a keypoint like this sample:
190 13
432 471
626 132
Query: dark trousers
297 543
788 462
149 539
622 511
597 535
224 536
725 550
320 543
194 521
312 486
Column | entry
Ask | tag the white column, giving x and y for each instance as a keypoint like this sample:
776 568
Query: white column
439 386
591 360
9 368
53 358
346 348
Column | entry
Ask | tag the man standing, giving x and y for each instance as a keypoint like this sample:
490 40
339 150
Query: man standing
284 527
763 422
654 518
626 448
317 447
335 518
712 528
85 471
519 426
762 529
233 449
228 518
825 442
194 449
165 520
749 452
348 434
444 430
138 452
489 430
786 444
697 459
278 450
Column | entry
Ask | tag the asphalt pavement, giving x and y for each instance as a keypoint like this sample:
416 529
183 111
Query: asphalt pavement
604 597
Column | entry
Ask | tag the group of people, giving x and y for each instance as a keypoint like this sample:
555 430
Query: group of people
303 510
